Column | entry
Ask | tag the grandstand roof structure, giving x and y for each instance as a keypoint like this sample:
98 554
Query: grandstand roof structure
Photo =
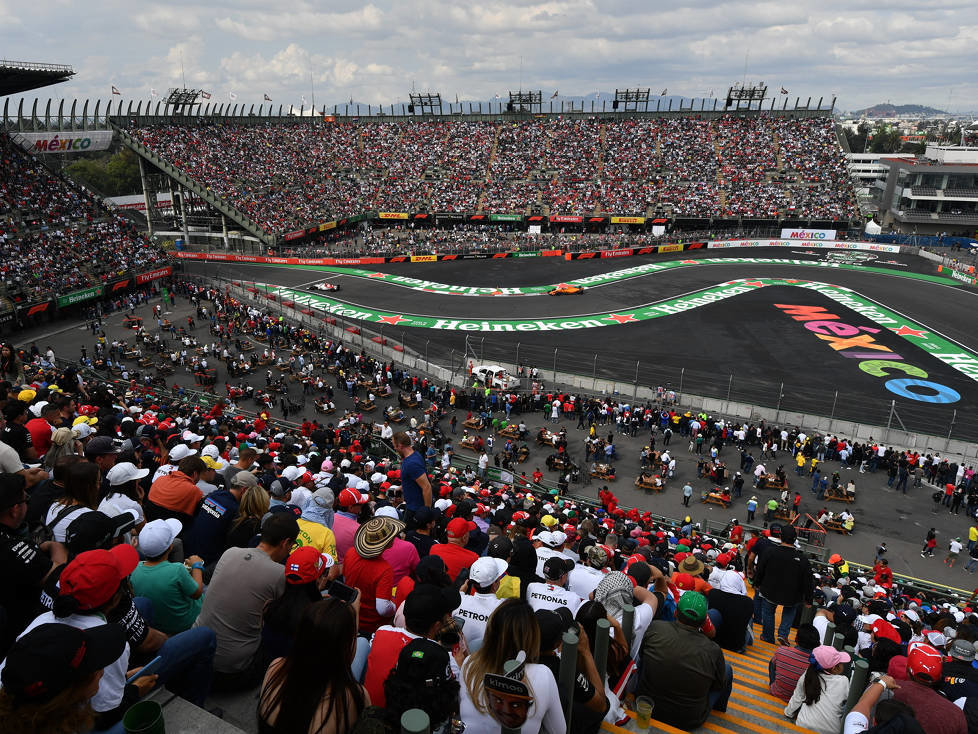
22 76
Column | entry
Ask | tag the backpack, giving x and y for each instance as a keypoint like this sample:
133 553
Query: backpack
44 532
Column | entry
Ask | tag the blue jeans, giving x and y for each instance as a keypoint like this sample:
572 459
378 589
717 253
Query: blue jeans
718 699
768 610
359 665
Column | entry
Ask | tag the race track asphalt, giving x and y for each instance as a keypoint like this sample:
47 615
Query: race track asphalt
744 347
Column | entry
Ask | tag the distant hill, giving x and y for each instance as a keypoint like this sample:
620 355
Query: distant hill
893 110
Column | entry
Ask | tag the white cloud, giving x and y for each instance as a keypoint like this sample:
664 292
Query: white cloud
904 51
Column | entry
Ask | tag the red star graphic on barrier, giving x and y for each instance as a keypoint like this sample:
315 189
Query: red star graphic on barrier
496 293
621 318
688 262
907 331
792 280
755 283
376 275
395 320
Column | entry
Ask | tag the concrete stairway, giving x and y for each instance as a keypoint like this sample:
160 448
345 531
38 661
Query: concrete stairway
751 709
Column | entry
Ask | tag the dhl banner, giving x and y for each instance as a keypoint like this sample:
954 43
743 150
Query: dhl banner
393 215
423 258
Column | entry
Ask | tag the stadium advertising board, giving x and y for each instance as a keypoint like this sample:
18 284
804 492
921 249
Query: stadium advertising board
808 234
393 215
505 217
617 253
84 295
566 219
424 258
65 141
820 244
154 275
628 220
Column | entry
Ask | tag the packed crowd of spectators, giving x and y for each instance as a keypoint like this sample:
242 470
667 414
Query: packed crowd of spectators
287 176
243 553
56 237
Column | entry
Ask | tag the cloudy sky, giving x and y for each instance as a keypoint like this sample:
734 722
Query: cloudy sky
907 52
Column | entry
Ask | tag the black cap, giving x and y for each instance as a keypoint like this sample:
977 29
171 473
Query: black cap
423 662
843 613
500 547
11 490
553 623
53 657
101 446
146 431
427 604
280 487
424 515
93 530
556 566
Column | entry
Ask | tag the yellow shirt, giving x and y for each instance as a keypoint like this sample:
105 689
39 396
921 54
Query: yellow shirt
509 588
318 536
973 533
800 460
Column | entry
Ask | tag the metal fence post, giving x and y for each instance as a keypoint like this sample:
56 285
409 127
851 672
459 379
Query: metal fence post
601 639
829 634
834 400
555 364
427 366
635 385
568 669
594 373
857 684
682 374
517 355
415 721
729 387
628 623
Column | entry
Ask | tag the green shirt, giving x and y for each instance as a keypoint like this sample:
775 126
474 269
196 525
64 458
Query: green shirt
772 505
169 586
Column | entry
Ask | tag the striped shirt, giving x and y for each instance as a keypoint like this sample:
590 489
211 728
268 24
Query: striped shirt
790 663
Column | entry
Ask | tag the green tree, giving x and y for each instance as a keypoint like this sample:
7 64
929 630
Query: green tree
113 174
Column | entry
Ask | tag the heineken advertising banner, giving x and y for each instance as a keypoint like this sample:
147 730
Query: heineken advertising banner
79 296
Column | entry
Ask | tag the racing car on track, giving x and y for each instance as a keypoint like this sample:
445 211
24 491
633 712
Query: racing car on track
330 287
565 289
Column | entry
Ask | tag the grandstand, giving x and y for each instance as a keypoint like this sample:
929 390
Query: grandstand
288 179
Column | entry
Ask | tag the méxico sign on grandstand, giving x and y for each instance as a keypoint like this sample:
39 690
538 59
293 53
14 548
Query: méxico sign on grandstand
823 244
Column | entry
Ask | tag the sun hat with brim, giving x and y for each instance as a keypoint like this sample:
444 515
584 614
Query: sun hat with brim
691 565
124 472
53 657
373 536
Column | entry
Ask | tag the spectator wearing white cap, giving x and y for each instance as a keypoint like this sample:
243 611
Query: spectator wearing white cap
174 456
546 547
175 592
475 608
124 491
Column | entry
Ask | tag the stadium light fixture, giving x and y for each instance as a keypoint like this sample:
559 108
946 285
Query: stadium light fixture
525 102
740 93
427 103
182 101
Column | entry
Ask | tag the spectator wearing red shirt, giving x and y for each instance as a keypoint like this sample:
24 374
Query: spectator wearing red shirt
454 553
884 574
42 427
365 569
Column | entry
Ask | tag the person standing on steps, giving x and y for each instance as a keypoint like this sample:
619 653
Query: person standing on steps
783 577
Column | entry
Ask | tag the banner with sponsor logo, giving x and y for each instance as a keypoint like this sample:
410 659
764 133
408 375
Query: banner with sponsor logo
289 236
393 215
424 258
670 248
78 296
7 316
34 309
118 285
833 244
327 225
808 234
566 219
66 141
505 217
154 275
628 220
627 252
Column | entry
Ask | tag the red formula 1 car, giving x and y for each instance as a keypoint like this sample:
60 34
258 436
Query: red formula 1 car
329 287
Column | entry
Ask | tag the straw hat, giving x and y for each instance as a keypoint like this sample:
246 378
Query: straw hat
373 536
